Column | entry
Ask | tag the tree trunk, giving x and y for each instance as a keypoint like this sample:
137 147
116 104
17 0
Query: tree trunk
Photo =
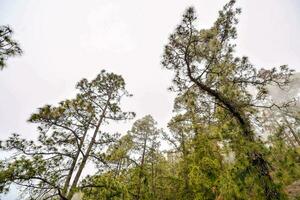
141 174
87 153
255 158
185 169
66 185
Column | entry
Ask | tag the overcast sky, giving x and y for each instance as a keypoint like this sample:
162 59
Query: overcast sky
66 40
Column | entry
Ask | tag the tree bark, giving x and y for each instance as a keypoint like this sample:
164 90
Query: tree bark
255 158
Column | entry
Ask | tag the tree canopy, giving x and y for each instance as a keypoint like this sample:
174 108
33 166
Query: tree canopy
227 139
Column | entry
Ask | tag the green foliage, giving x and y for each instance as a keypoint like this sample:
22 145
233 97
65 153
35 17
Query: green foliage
69 136
285 160
203 60
223 144
8 46
105 186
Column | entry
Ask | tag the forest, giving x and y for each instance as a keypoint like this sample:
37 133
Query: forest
227 139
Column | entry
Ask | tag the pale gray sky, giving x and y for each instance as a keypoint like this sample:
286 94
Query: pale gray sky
66 40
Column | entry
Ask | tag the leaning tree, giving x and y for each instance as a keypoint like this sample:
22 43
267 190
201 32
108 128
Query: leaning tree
204 60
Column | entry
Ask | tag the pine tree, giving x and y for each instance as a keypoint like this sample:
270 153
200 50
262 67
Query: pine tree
144 135
8 46
69 135
204 59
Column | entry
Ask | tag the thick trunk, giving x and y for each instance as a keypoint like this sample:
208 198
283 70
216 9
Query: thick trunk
255 158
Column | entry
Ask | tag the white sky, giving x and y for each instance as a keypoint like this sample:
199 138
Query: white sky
66 40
